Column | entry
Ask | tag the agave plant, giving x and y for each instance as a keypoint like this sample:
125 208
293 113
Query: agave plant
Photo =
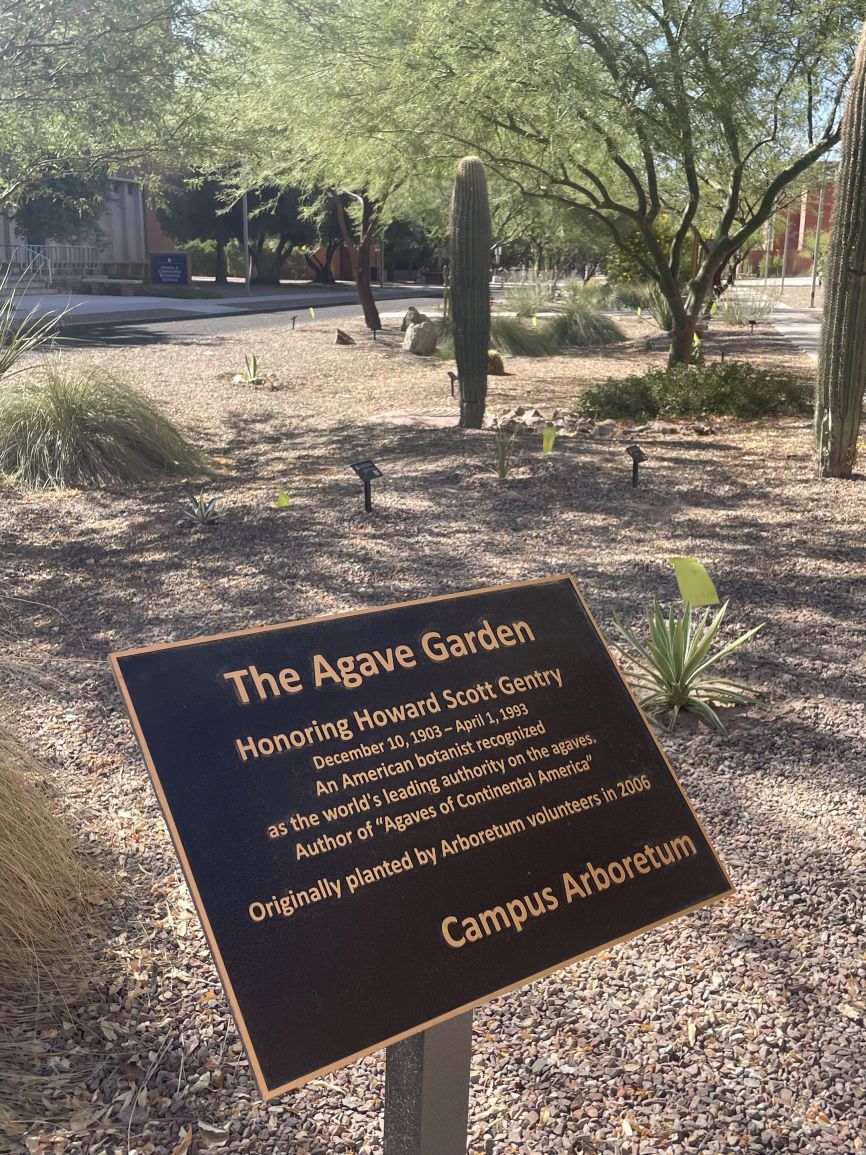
200 510
20 336
673 669
251 372
503 450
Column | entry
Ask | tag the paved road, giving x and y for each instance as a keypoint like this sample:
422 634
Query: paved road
802 329
188 330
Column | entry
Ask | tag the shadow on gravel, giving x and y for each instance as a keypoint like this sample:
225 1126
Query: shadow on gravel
145 333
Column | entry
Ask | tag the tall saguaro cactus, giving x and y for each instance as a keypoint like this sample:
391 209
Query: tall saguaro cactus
842 364
470 286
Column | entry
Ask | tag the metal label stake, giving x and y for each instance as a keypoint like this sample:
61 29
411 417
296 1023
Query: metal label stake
427 1090
637 455
367 471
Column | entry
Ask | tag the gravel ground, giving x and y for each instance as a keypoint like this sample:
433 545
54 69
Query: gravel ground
739 1029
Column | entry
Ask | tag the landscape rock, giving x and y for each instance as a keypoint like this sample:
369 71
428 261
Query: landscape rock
421 339
413 316
343 338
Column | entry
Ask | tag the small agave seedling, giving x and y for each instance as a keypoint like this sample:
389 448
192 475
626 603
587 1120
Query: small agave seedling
503 450
672 669
199 510
251 368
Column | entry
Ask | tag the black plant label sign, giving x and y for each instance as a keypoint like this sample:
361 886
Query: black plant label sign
388 817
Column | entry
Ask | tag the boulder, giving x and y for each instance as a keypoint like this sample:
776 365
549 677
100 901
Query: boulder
421 339
413 317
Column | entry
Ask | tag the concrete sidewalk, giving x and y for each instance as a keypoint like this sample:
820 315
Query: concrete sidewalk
802 328
84 309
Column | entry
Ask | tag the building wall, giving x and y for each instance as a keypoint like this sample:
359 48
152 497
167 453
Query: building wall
120 244
802 222
121 225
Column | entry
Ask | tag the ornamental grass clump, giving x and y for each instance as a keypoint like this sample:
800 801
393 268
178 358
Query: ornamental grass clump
744 306
673 669
42 899
582 327
516 339
577 294
47 958
508 335
65 425
529 295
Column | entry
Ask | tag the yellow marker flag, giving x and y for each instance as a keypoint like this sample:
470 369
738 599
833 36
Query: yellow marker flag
639 310
534 321
696 585
312 312
548 438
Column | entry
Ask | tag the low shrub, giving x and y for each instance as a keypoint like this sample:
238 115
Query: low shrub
723 388
68 426
578 328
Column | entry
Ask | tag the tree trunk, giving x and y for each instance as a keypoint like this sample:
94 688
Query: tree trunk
256 250
359 254
221 271
682 342
361 269
322 272
281 254
687 313
842 360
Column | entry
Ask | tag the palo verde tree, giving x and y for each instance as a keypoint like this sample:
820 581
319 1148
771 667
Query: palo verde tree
87 88
842 362
627 112
283 111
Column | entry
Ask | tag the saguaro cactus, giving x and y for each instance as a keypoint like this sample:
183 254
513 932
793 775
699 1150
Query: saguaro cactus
470 286
842 363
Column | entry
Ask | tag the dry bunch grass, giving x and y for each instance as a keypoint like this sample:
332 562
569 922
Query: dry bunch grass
42 907
45 953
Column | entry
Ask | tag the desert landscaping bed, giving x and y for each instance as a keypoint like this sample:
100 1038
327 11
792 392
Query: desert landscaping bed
740 1028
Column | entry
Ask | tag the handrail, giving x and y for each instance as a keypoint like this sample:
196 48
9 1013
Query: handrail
51 260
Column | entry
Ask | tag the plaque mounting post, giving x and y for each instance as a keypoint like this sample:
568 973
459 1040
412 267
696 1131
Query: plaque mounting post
427 1090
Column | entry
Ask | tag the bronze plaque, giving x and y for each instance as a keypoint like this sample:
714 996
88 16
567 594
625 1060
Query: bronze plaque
388 817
